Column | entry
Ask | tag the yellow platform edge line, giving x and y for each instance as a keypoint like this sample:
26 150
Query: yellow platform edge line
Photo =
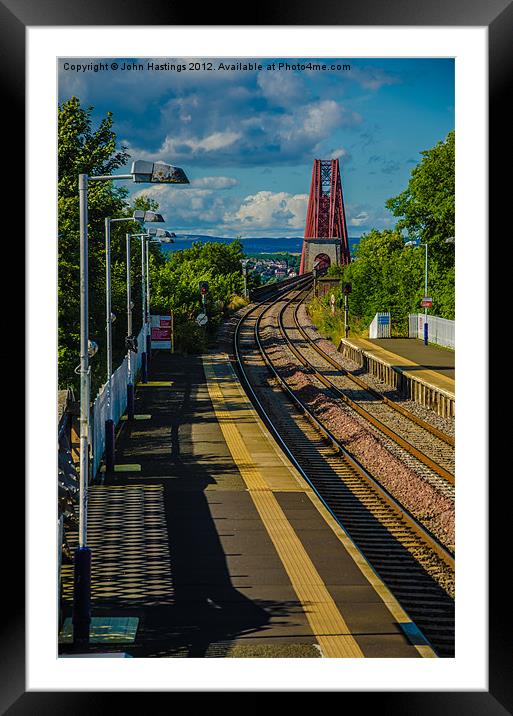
374 580
320 609
155 383
123 468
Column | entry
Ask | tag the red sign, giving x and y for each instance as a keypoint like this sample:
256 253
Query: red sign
161 331
160 334
426 302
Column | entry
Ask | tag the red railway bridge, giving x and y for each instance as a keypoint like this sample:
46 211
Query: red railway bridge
325 240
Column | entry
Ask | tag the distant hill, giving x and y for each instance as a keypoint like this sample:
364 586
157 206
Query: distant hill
261 245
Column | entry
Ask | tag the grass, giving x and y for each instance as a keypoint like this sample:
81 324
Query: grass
331 326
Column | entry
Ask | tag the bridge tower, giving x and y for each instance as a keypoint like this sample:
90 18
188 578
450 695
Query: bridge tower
325 241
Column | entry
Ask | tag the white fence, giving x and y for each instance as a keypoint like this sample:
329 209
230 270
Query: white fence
118 399
440 330
380 326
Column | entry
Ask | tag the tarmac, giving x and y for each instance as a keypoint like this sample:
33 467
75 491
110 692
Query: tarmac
206 542
431 364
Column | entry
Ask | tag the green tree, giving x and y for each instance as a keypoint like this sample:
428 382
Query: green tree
82 149
175 286
426 208
385 275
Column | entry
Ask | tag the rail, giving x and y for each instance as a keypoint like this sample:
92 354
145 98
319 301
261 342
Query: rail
434 543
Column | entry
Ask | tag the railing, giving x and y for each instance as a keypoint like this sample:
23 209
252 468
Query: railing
118 399
440 330
380 326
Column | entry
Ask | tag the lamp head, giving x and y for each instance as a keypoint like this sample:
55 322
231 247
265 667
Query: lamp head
158 173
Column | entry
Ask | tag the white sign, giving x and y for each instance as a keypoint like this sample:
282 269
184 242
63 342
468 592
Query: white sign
160 332
201 319
332 299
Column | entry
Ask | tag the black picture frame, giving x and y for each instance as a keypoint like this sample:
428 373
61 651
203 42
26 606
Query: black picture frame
497 15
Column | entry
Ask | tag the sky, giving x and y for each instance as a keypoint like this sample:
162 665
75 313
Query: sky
247 136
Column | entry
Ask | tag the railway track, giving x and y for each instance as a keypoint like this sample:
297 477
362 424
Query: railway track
416 438
414 564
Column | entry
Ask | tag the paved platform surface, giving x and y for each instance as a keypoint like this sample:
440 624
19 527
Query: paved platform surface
432 364
214 543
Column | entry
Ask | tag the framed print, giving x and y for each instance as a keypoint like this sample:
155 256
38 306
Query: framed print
244 112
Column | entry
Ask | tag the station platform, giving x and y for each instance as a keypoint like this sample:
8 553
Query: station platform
425 374
208 543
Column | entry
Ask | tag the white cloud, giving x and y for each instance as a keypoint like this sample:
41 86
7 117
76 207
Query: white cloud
280 88
182 207
270 210
359 219
205 210
214 182
372 78
211 143
338 153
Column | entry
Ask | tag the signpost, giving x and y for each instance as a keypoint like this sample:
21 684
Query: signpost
332 301
201 319
346 290
203 287
161 332
426 302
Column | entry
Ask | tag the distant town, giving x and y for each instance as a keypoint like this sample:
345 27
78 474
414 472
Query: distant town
272 269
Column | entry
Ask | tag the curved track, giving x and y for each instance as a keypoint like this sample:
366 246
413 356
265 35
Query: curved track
415 437
414 564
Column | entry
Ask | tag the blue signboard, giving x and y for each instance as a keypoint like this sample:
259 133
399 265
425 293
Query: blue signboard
383 320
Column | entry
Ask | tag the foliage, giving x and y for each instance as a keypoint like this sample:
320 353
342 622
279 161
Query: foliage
82 149
386 273
175 286
426 209
174 282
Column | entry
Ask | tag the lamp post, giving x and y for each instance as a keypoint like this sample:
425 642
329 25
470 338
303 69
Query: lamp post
141 171
315 271
346 290
131 341
426 326
244 263
142 217
165 236
155 236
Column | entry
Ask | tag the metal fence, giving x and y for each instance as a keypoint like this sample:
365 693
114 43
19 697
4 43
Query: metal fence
380 326
118 399
440 330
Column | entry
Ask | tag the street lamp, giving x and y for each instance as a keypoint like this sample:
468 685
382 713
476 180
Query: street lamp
426 327
154 236
315 271
141 217
162 235
244 263
141 172
165 236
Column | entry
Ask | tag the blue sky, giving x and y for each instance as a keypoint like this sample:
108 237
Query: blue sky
247 138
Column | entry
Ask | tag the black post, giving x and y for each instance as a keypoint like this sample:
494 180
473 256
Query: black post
82 596
144 368
148 353
109 445
130 399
